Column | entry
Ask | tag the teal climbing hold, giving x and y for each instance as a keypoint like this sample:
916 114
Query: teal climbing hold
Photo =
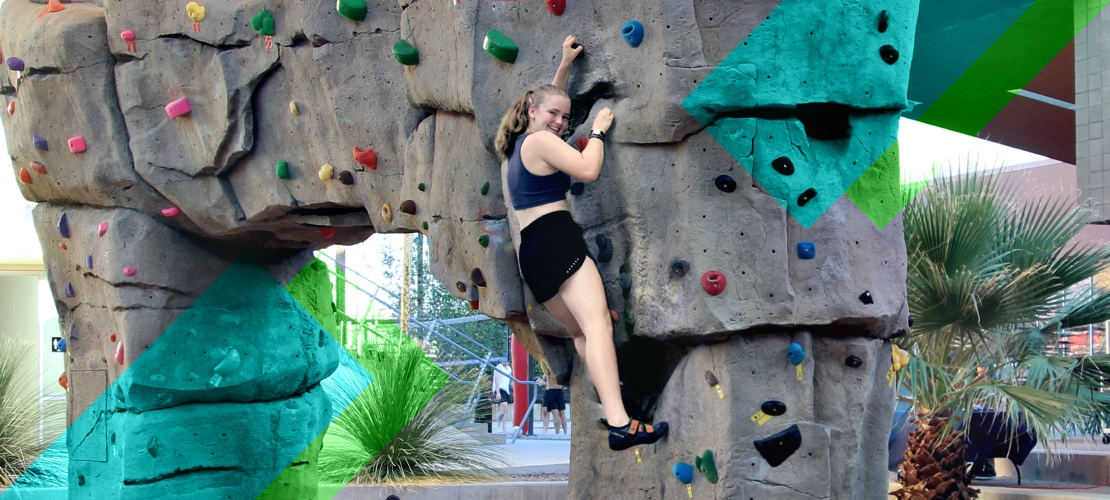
354 10
500 47
683 472
282 169
707 466
405 53
633 32
796 354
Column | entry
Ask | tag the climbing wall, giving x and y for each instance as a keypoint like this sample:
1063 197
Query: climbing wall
744 221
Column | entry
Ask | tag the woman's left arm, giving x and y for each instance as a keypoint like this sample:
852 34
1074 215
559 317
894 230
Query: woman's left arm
569 53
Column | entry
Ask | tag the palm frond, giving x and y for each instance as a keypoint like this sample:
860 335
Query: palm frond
22 450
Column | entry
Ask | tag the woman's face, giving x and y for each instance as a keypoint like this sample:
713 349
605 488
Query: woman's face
552 114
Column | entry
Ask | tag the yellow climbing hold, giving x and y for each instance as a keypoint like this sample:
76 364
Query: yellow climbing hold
293 108
899 357
326 172
195 11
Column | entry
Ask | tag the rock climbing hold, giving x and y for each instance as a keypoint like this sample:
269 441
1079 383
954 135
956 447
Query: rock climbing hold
326 172
424 225
460 286
62 345
226 367
773 408
910 319
625 279
354 10
64 382
15 64
556 6
707 466
77 144
684 472
806 250
483 240
119 353
178 107
346 177
865 297
725 183
679 268
474 305
281 169
405 53
38 167
420 186
367 158
889 54
24 176
710 378
807 195
408 207
633 32
783 165
171 211
853 361
387 213
40 143
577 188
196 14
476 277
129 37
884 21
51 6
327 232
293 109
582 142
129 271
263 23
63 225
713 282
63 246
88 261
776 449
629 317
81 480
392 497
152 447
604 248
795 354
614 316
112 337
11 107
485 188
500 47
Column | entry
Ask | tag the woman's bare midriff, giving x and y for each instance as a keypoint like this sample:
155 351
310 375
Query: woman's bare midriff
526 216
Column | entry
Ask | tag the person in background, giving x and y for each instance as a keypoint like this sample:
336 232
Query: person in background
502 391
554 404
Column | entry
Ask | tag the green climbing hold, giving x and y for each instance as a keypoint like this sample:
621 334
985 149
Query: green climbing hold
499 46
424 225
405 53
483 240
354 10
420 186
282 169
707 466
263 23
485 188
629 318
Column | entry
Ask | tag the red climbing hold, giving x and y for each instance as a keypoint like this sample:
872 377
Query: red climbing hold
367 158
582 142
64 382
556 6
327 233
38 167
713 282
112 337
474 305
119 353
170 212
63 246
614 316
102 228
24 176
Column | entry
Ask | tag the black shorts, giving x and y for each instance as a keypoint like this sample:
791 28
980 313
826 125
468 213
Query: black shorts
552 249
506 397
553 400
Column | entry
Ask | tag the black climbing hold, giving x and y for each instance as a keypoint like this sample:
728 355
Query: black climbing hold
604 248
889 54
346 177
911 321
392 497
80 480
476 277
783 165
408 207
865 297
725 183
773 408
1106 439
460 286
884 21
577 188
804 198
853 361
776 449
710 378
679 268
319 265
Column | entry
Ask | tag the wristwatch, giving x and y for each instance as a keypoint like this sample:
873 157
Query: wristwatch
597 133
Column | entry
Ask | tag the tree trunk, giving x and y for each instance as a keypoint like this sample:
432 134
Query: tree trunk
934 468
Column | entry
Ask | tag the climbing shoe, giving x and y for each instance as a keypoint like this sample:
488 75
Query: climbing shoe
635 434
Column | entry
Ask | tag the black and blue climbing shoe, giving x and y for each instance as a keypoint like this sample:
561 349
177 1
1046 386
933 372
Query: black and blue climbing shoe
634 434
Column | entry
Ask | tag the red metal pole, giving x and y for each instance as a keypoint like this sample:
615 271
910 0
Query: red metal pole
520 391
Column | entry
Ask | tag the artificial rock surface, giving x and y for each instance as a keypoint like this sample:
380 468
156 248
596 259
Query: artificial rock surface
716 87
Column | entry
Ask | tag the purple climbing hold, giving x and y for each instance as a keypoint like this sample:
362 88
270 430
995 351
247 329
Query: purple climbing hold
865 297
40 143
806 250
68 289
63 225
15 64
88 261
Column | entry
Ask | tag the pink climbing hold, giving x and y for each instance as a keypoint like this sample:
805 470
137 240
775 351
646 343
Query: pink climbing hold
102 228
327 233
129 37
119 353
178 107
713 282
170 212
129 271
77 144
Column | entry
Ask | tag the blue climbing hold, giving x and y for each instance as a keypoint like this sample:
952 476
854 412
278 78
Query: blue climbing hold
62 345
684 472
88 261
796 354
63 225
68 289
806 250
40 143
633 33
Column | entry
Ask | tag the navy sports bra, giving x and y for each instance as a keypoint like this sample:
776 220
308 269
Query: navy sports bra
529 190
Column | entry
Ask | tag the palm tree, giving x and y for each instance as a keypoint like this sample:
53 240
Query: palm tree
992 284
20 419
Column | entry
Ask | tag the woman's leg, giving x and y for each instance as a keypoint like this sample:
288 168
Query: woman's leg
559 309
584 295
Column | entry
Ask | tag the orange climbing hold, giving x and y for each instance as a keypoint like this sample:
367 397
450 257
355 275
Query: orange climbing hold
64 382
52 6
38 167
24 176
11 107
367 158
63 246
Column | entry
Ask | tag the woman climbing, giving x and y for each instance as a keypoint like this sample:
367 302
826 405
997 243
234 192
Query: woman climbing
553 256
